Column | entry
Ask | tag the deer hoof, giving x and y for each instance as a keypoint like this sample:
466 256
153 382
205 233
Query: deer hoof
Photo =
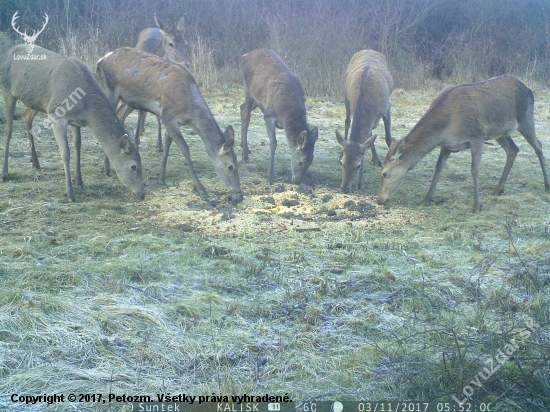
427 201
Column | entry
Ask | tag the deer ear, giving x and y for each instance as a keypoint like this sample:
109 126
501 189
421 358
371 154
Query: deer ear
131 134
227 146
313 134
126 146
368 143
400 148
340 138
229 133
182 26
302 140
159 23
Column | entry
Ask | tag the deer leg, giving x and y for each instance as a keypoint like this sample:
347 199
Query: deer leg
477 151
60 132
175 134
29 117
123 111
527 129
387 126
443 156
142 131
511 151
270 123
159 135
139 127
78 147
347 122
361 180
106 166
162 173
9 107
375 159
246 110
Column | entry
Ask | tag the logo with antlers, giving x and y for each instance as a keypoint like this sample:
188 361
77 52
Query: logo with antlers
29 39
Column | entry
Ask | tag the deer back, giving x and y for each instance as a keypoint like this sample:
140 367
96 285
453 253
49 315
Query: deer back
274 87
369 85
148 82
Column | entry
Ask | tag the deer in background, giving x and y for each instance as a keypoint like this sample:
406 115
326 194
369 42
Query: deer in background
146 82
168 44
272 87
369 85
463 117
67 91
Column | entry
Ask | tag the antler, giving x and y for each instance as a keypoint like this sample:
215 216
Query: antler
35 33
13 22
25 36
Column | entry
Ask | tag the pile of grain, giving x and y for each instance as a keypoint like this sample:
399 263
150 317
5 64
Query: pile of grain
269 209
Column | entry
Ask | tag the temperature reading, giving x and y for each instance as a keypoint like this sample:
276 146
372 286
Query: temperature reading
310 407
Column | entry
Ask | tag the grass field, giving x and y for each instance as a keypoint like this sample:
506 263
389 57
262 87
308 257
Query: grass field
305 292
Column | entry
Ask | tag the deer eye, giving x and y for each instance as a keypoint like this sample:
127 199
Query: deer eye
170 44
134 168
385 175
230 167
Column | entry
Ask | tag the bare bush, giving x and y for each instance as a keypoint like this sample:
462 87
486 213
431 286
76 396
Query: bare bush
444 40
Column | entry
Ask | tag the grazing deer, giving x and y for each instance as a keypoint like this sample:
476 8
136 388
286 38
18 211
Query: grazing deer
369 85
168 44
146 82
463 117
66 90
272 87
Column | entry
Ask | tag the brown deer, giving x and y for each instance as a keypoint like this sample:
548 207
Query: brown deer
369 85
272 87
66 90
146 82
463 117
164 42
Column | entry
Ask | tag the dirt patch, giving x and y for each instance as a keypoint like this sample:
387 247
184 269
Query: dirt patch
269 209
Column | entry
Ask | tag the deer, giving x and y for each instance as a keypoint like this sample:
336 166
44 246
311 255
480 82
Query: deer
29 39
368 87
164 42
147 82
463 117
272 87
67 91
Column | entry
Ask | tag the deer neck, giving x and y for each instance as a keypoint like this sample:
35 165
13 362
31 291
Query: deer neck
106 128
206 126
419 142
294 124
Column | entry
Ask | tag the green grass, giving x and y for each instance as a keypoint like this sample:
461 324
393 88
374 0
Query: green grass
108 295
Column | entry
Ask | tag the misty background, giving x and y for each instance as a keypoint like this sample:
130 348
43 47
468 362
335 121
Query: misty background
425 41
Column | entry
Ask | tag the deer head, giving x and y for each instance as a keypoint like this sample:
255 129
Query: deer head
28 39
